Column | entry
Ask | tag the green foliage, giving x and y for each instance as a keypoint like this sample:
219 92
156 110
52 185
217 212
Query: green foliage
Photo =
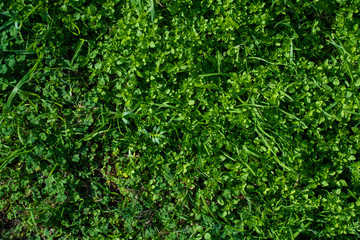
179 119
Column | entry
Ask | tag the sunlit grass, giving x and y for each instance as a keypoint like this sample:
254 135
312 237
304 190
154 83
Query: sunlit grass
179 120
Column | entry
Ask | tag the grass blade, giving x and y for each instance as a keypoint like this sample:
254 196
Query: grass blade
247 165
219 58
343 53
207 207
294 117
13 155
214 74
78 48
272 63
25 79
152 10
164 105
271 149
95 133
19 52
8 23
252 153
291 52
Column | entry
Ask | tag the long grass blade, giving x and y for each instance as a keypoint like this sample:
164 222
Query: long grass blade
78 48
271 149
19 52
164 105
291 52
294 117
13 155
25 79
272 63
214 74
343 52
207 207
252 153
219 59
8 23
351 112
95 133
247 165
152 10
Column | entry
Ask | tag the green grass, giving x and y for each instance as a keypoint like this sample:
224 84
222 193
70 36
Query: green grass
179 120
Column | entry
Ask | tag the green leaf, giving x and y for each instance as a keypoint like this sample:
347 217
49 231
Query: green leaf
98 66
207 236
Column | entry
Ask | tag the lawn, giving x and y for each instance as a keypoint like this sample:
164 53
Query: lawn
211 119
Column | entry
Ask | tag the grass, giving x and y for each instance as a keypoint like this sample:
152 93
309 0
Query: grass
179 120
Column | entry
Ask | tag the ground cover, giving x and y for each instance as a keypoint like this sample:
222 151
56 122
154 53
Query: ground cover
179 119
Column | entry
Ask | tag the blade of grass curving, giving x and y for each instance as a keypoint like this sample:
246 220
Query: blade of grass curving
95 133
29 13
247 165
207 207
78 48
40 38
214 74
252 153
343 53
285 24
272 63
19 135
287 96
270 148
13 155
294 117
316 10
331 106
164 105
256 111
8 23
332 116
108 191
284 140
25 79
269 136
